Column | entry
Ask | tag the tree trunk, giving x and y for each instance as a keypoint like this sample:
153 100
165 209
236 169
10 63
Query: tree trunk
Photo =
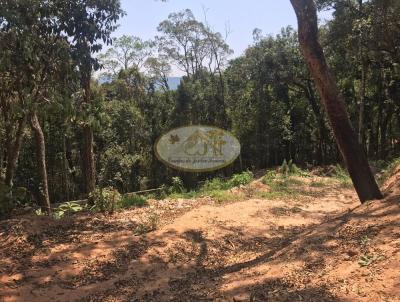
361 115
87 157
41 162
354 157
13 151
88 164
321 123
363 64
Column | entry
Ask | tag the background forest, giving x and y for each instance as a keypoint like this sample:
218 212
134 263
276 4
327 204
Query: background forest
73 118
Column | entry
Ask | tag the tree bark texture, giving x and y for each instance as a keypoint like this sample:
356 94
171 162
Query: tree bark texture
346 138
87 156
88 164
41 162
13 150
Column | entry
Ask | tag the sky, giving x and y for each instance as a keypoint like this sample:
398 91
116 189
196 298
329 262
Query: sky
238 16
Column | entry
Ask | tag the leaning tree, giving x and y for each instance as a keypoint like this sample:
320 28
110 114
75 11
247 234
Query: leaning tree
352 152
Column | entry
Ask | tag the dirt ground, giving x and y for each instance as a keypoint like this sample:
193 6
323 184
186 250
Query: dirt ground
319 246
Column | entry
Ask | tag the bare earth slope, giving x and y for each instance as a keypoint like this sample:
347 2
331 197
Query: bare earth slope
319 245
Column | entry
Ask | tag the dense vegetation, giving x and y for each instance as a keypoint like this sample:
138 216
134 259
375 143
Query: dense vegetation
91 118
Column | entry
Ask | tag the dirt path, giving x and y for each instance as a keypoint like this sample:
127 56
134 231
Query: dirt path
315 246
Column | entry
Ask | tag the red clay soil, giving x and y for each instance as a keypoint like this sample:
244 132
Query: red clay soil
320 245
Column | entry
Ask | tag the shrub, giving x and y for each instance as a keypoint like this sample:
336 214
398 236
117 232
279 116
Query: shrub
132 200
281 185
269 177
10 198
67 208
104 200
290 168
215 184
340 172
389 170
284 169
177 185
241 179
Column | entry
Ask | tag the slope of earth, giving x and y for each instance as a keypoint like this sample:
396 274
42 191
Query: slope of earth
313 242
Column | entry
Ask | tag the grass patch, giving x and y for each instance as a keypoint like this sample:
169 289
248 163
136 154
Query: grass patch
281 183
185 195
218 195
216 188
132 200
341 175
223 196
388 170
317 184
240 179
282 186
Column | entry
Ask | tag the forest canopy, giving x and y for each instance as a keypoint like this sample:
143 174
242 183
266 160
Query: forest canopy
75 116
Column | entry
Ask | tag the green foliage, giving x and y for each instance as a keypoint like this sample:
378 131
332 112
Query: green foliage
281 185
159 194
10 198
67 208
7 203
104 200
364 241
132 200
177 185
269 177
224 196
186 194
215 184
241 179
368 259
290 168
126 52
285 169
317 184
342 176
389 169
217 188
265 96
39 212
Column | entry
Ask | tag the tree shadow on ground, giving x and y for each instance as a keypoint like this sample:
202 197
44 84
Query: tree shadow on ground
201 265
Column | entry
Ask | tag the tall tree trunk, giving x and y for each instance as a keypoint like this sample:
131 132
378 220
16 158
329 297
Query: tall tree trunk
363 64
321 123
41 162
354 156
88 163
389 110
361 115
13 150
